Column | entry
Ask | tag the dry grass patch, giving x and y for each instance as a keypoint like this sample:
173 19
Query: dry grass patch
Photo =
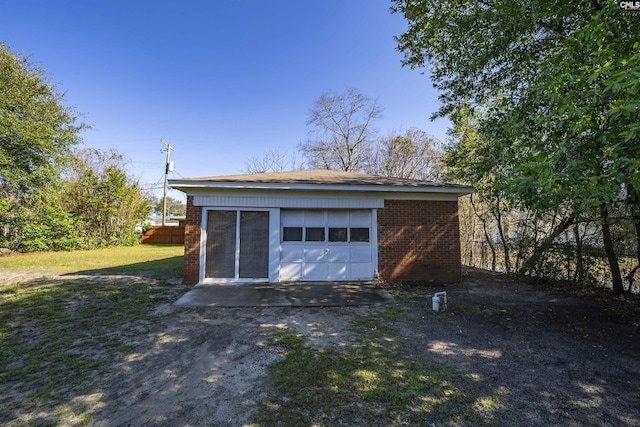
59 333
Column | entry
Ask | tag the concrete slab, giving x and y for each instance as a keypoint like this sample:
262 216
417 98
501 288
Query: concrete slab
283 295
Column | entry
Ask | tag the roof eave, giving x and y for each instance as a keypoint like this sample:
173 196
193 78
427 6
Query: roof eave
185 186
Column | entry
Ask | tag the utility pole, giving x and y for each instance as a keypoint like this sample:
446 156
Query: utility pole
166 177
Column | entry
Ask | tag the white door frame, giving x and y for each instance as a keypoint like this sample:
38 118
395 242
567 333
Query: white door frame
274 245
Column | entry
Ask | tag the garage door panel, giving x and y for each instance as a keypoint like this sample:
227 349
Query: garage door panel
314 271
290 271
291 218
314 218
338 253
314 254
337 218
337 271
334 244
360 253
361 271
291 253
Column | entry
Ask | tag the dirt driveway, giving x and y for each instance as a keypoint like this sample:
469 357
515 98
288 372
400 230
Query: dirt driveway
538 355
209 367
547 357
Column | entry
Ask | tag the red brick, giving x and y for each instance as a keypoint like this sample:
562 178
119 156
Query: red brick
419 240
192 243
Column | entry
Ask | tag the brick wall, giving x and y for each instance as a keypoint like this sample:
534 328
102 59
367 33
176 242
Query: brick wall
192 243
419 240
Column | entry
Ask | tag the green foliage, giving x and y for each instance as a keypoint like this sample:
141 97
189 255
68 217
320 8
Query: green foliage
10 216
175 207
554 90
106 203
52 230
37 133
97 206
36 129
559 115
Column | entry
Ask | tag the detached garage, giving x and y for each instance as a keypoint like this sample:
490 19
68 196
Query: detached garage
319 225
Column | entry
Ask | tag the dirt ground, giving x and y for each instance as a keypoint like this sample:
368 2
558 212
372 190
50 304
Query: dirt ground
548 357
551 358
209 367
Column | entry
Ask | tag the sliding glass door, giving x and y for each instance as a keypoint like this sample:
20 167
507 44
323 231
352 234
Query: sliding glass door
254 245
237 245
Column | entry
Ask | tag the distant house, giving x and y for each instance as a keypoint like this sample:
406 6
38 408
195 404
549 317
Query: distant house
319 225
170 220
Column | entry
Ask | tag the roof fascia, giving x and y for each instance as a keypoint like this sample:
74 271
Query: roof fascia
185 186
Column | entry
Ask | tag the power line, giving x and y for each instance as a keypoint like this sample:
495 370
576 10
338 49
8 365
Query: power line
146 163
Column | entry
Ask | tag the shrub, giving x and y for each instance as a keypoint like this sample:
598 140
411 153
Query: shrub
51 229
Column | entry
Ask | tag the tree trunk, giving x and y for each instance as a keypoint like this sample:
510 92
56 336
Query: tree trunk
521 241
473 238
632 273
579 274
616 277
493 250
505 246
546 244
637 224
633 199
486 235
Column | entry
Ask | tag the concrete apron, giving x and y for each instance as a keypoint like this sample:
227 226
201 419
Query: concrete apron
321 294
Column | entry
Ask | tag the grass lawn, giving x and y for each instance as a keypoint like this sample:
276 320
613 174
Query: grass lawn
158 259
57 334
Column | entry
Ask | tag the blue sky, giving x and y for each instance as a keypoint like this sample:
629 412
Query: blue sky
221 81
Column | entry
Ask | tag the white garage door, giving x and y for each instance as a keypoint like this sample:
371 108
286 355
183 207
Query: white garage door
318 245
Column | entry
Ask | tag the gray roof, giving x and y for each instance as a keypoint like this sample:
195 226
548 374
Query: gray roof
316 177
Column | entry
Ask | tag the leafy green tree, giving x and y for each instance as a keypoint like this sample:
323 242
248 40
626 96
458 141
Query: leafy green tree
50 229
36 130
37 133
106 202
473 159
557 87
175 207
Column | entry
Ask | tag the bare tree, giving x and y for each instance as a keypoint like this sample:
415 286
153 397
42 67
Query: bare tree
341 131
93 159
273 160
414 155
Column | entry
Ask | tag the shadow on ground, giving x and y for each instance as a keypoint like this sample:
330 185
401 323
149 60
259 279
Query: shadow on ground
167 268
